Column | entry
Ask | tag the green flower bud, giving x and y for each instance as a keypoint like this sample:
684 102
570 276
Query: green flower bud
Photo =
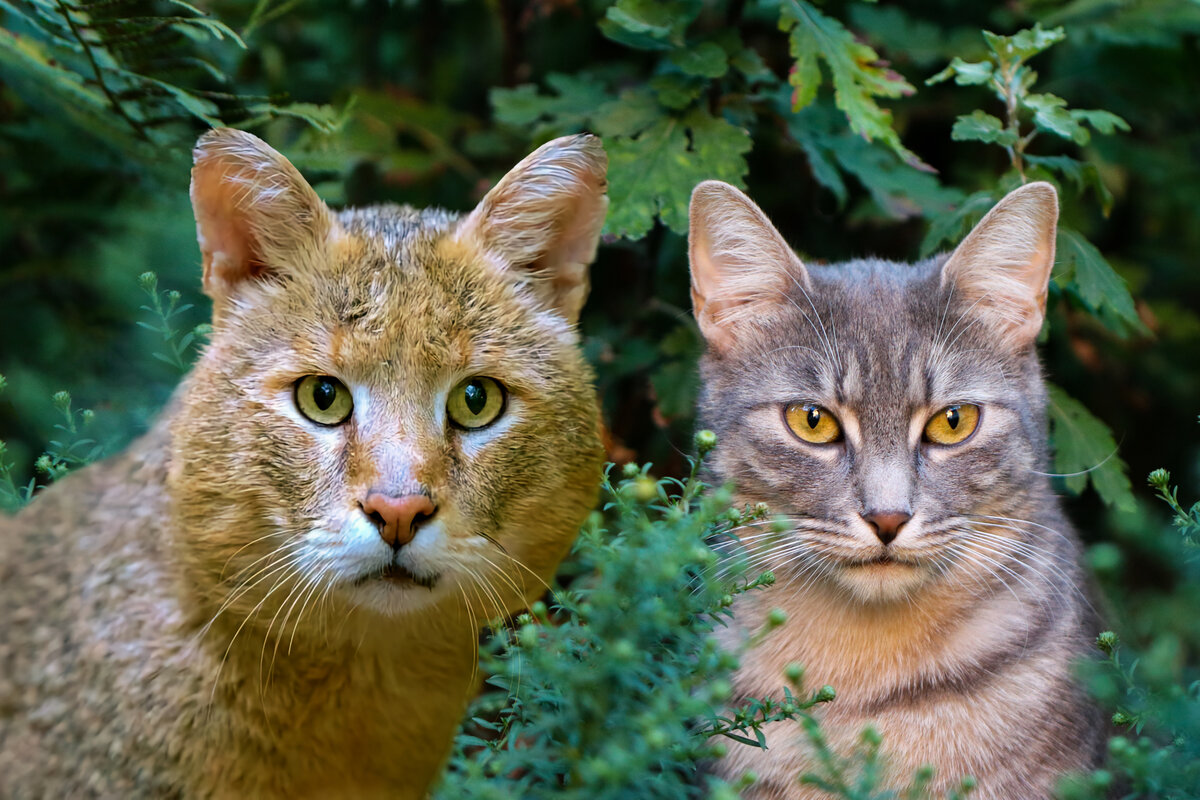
871 737
1121 718
705 441
968 783
631 470
761 509
776 617
624 650
528 636
720 690
1159 478
767 578
538 609
645 489
825 694
43 464
1107 641
148 281
61 400
794 672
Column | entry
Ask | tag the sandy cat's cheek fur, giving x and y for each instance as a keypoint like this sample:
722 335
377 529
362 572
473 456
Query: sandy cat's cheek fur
931 585
248 603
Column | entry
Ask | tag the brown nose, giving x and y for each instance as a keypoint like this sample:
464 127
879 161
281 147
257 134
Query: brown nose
397 517
887 524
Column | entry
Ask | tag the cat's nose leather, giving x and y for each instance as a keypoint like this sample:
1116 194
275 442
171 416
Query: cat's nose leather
397 517
887 524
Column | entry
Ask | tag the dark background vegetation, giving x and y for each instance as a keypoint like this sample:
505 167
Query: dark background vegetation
427 103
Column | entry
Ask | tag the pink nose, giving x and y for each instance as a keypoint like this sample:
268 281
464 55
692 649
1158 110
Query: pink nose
887 524
397 517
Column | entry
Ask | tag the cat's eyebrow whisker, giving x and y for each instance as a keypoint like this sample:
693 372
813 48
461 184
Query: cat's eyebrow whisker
834 355
820 333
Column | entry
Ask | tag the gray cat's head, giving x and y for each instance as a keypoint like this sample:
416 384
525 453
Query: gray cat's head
893 412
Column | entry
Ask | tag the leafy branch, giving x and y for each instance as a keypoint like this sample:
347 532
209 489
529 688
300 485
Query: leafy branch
164 306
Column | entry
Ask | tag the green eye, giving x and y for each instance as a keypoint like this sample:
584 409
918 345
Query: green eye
324 400
475 402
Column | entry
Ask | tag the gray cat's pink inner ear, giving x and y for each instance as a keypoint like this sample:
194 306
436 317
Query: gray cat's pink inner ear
1002 269
740 264
252 209
544 217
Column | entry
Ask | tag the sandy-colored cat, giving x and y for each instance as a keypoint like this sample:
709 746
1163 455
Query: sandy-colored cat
895 414
392 436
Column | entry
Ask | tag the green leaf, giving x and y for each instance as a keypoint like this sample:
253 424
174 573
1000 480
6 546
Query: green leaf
900 191
1104 122
1084 451
628 115
1085 274
1084 175
677 91
653 173
748 62
649 24
859 75
1025 44
1050 114
575 99
957 224
979 126
965 73
707 60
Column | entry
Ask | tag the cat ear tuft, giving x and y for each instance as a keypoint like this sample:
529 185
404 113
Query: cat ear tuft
1002 268
544 217
740 263
253 209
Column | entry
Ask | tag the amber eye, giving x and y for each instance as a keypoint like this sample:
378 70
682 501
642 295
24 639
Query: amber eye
324 400
475 402
812 423
953 424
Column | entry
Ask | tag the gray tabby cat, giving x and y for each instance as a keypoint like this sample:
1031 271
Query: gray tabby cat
895 413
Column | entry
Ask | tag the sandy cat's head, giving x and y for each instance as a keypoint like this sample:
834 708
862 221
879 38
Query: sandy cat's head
393 412
893 412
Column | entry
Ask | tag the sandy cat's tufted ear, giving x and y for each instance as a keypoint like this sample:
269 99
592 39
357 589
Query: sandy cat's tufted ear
254 211
544 218
741 265
1003 266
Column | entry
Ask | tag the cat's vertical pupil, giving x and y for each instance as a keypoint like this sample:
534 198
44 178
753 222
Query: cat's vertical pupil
324 393
814 417
952 417
476 397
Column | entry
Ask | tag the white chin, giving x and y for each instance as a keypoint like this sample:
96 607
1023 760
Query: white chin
876 583
392 598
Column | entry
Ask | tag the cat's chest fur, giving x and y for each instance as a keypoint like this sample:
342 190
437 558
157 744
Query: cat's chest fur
107 674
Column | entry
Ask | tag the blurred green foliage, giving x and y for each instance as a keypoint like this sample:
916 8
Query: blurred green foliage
859 127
